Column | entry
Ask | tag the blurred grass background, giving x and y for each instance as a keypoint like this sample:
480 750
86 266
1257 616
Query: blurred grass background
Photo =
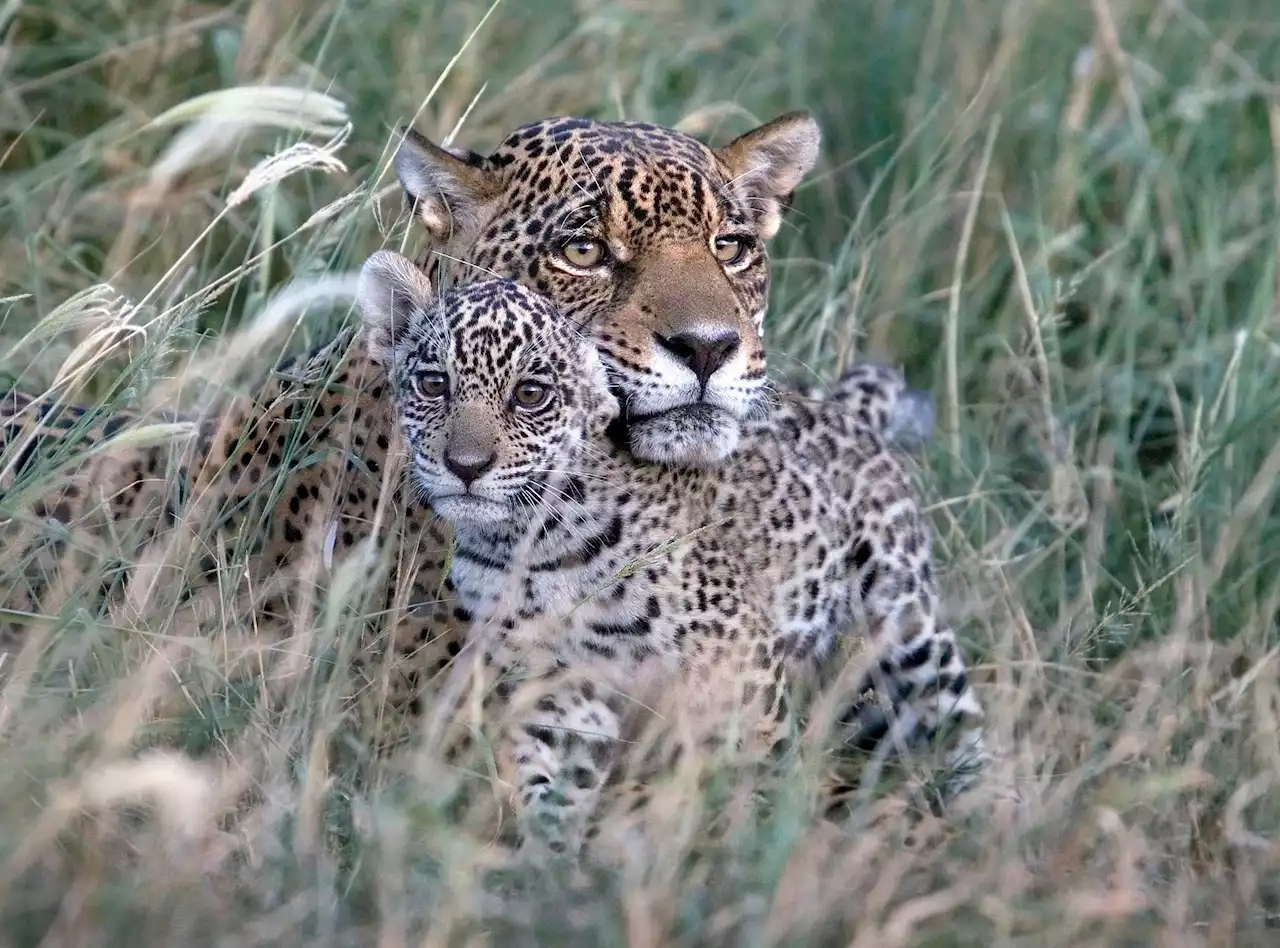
1060 218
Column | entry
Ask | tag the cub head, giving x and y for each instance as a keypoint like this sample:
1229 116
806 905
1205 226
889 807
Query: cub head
494 389
650 240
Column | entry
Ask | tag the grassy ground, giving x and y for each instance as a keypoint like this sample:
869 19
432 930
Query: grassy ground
1060 217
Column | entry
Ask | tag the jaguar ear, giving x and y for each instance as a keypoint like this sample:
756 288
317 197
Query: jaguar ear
392 292
767 163
451 191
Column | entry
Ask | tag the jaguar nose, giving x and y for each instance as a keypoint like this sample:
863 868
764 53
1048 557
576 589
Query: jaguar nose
704 354
468 467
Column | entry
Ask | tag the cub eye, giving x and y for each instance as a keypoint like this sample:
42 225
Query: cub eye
583 253
432 384
531 394
729 249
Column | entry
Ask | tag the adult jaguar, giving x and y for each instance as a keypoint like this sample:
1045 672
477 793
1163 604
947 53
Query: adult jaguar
649 239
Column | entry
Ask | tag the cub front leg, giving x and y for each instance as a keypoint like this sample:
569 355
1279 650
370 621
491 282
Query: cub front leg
559 753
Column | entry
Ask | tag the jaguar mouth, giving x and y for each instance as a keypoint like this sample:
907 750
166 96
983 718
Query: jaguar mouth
468 508
697 434
690 411
692 417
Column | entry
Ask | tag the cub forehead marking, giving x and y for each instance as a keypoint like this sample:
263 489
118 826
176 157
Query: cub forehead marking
495 325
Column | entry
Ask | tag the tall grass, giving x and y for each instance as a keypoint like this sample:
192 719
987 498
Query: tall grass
1059 217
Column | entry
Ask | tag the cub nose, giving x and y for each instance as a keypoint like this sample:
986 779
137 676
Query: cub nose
704 354
468 467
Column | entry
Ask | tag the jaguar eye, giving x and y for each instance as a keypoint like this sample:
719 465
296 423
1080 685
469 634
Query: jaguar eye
433 385
531 394
584 253
729 249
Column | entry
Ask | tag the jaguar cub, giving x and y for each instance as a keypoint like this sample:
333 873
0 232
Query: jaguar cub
572 559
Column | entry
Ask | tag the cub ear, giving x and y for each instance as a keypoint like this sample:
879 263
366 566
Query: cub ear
450 192
767 163
392 291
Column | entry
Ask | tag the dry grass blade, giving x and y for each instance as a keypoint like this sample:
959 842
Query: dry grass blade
99 306
293 159
282 107
217 121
